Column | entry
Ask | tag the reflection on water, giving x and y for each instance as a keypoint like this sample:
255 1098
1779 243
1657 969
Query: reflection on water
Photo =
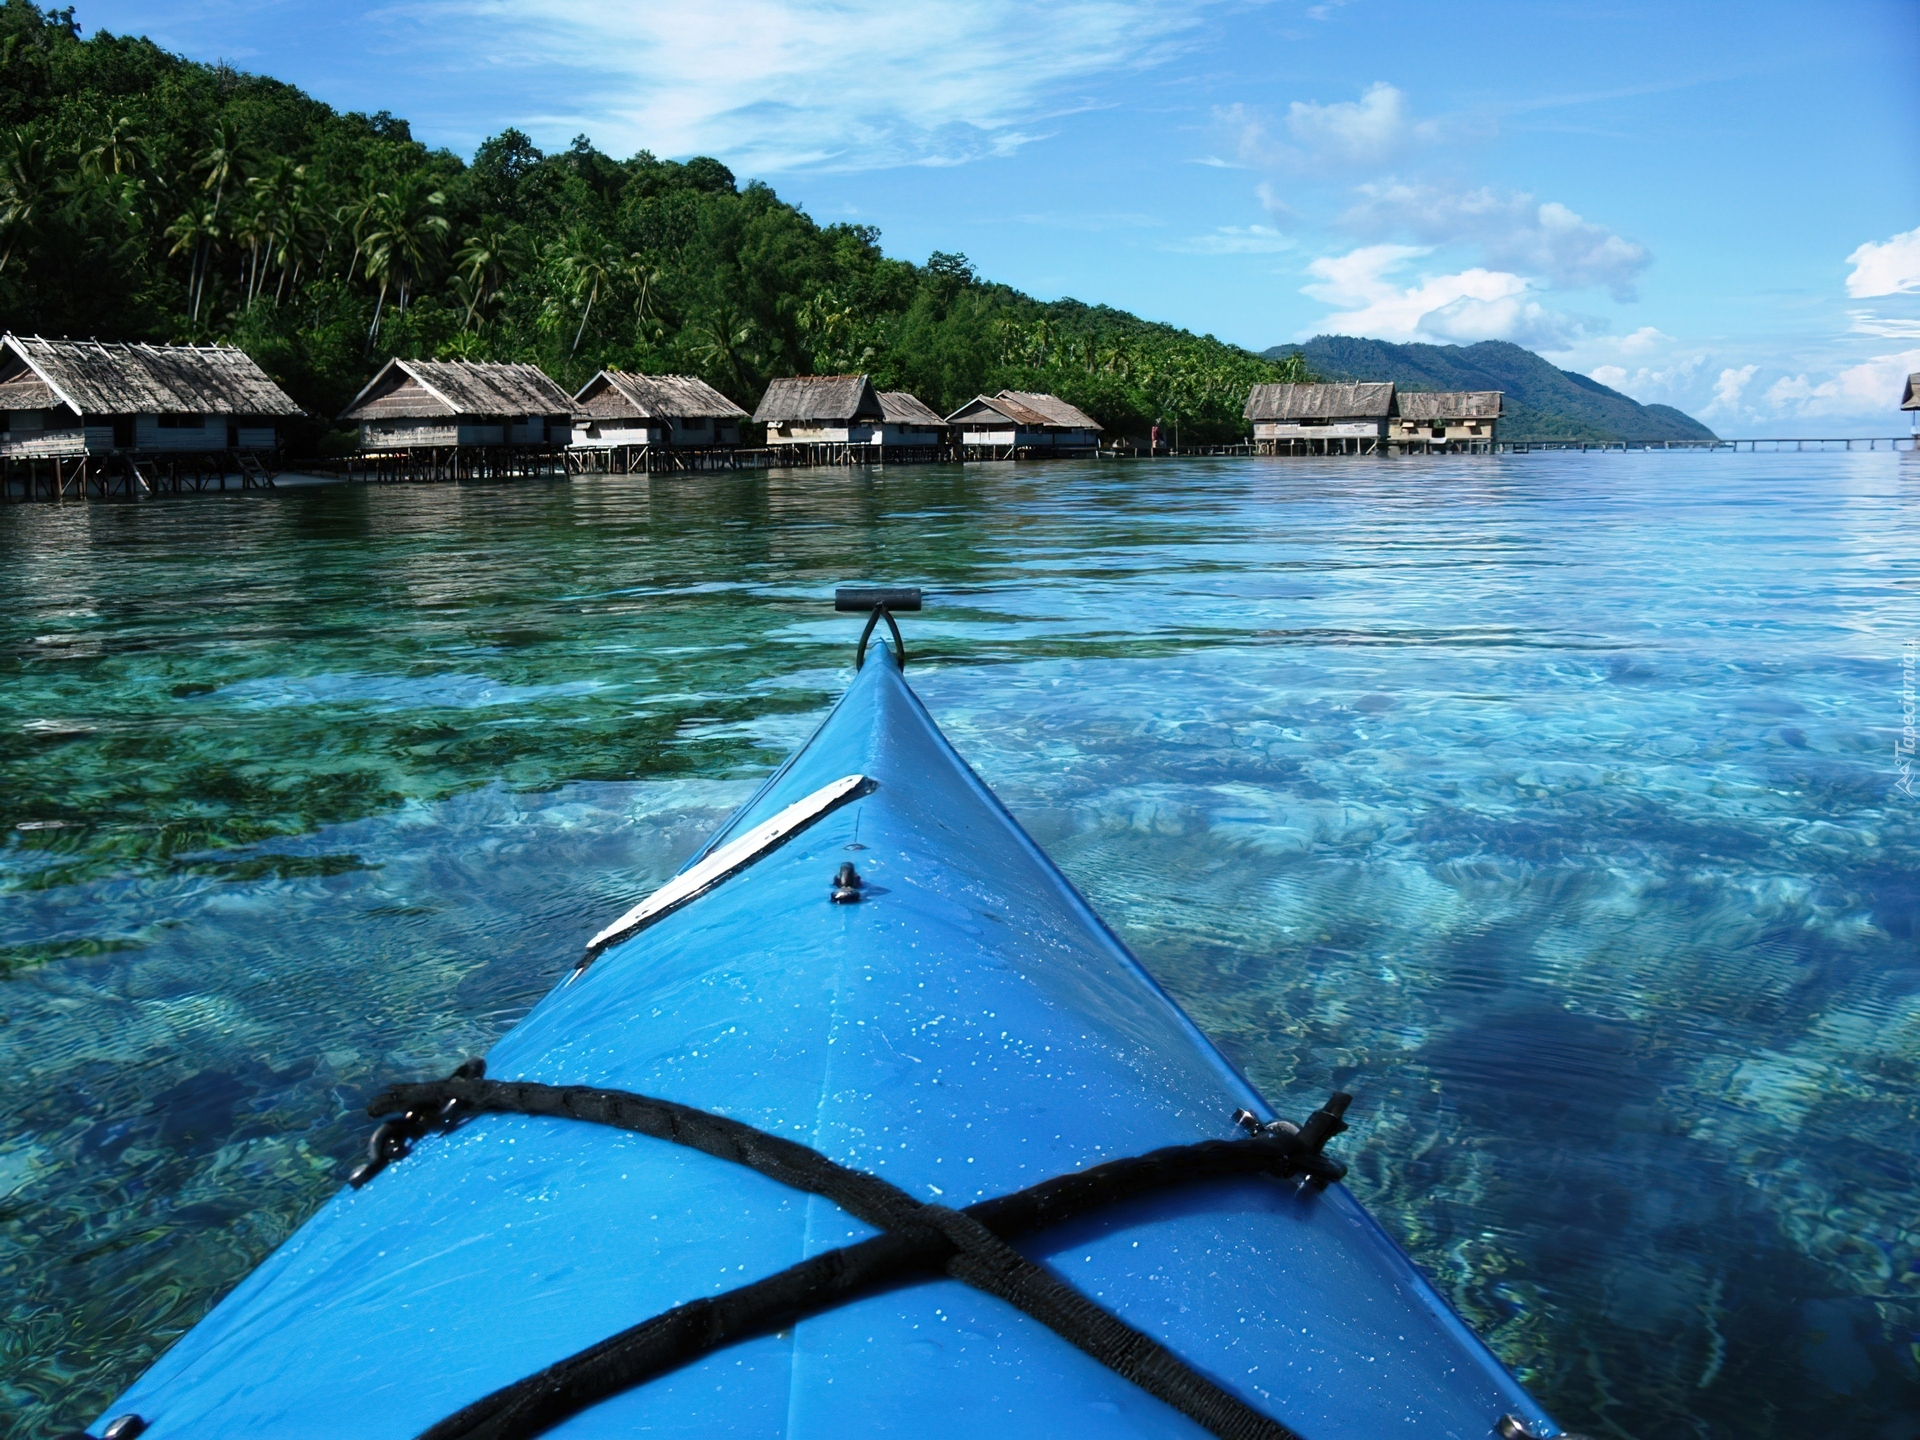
1546 802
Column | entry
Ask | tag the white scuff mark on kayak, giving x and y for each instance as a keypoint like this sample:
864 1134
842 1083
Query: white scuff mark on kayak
728 860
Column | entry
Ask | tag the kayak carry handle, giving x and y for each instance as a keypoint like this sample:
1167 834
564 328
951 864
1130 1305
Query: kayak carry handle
857 599
1313 1132
881 601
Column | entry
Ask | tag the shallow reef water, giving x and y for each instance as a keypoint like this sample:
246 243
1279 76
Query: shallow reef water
1549 803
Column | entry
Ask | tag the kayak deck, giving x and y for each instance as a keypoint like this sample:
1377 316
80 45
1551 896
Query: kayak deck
968 1029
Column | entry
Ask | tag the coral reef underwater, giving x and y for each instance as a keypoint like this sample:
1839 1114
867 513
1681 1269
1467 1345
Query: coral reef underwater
1547 803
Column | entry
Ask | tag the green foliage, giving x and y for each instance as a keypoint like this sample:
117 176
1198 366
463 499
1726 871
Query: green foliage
147 197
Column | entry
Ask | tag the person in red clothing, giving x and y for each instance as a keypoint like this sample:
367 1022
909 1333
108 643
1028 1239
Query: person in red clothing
1153 441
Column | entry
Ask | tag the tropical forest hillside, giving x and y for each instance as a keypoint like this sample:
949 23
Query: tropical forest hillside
1541 401
148 197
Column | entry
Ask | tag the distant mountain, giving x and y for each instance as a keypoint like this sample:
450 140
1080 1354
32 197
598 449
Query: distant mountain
1541 402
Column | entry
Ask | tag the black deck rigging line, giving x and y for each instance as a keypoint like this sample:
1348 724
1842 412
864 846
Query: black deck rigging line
969 1245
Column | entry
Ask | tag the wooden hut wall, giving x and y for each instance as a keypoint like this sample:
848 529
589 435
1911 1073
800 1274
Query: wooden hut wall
95 398
35 424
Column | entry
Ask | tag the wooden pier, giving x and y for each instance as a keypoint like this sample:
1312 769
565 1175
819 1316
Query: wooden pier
667 459
840 452
1022 452
129 475
428 464
1761 445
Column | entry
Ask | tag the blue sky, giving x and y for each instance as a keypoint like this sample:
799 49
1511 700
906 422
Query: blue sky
1717 207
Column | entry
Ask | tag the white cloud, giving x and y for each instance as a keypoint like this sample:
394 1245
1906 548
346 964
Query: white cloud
1729 388
1461 308
1886 327
1889 267
1639 341
1869 389
1274 205
1661 384
1646 364
1375 128
1512 229
1347 134
1238 240
811 84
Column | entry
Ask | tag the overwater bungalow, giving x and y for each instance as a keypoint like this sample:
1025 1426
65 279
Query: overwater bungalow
460 420
1462 421
1320 419
823 419
908 424
1020 423
1910 397
622 420
80 417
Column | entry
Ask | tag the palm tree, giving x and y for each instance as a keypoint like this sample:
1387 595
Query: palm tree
121 149
277 215
355 217
194 234
829 327
218 166
720 342
589 263
643 272
26 187
220 163
252 230
403 237
293 230
485 263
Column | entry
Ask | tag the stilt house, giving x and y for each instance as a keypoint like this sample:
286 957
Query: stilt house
617 408
1910 398
67 399
1016 422
1320 419
460 404
821 410
907 424
1445 419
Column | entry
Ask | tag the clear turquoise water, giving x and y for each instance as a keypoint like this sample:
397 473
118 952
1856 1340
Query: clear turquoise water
1546 802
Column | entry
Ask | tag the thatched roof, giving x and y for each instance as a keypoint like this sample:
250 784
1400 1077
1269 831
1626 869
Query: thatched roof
92 377
1367 401
815 398
29 392
1910 398
655 397
1431 406
900 408
1027 409
1052 409
439 389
